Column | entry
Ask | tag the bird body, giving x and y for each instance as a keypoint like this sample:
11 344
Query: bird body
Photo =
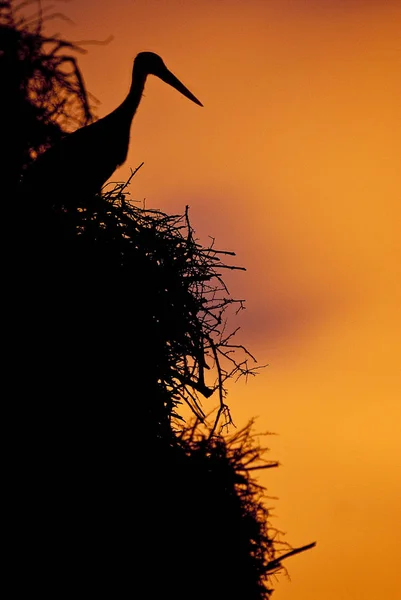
83 161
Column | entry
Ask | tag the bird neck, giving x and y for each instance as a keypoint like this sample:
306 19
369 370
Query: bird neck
133 99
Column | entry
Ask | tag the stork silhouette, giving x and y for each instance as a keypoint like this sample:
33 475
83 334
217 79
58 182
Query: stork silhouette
82 162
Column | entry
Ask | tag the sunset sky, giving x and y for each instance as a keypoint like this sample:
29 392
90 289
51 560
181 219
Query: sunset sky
294 164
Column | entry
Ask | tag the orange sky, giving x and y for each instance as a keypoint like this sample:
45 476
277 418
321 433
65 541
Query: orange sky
294 164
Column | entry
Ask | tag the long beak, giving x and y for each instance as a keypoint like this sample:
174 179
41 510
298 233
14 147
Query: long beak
172 80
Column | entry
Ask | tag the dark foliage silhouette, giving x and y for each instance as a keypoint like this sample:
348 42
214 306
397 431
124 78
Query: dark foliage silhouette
116 317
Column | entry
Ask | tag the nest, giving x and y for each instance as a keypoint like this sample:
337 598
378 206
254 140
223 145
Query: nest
177 293
154 292
133 312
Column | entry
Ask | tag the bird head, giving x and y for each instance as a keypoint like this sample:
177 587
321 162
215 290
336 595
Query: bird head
152 64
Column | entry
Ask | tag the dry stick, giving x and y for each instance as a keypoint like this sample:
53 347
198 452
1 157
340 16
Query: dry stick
276 563
223 407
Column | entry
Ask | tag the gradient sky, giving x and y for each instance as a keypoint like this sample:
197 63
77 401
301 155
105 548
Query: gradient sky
293 163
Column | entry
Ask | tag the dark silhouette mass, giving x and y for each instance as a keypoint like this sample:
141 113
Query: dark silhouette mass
114 317
83 161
